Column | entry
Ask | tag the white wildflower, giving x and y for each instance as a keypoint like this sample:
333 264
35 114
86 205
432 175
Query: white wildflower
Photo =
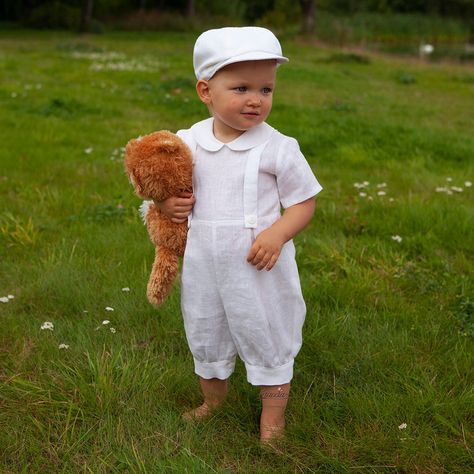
449 179
10 297
381 193
365 183
426 48
457 189
39 86
382 185
47 325
113 330
397 238
108 308
468 184
14 94
88 150
370 198
63 346
4 299
402 426
358 185
363 195
105 322
85 311
126 289
441 189
391 199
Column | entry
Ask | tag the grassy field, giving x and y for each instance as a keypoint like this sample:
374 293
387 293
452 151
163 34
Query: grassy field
384 382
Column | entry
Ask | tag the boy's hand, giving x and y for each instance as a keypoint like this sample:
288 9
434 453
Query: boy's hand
266 249
267 246
177 208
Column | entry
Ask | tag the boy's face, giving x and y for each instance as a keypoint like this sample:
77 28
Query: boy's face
239 96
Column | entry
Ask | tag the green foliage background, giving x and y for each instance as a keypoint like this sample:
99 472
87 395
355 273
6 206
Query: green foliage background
232 10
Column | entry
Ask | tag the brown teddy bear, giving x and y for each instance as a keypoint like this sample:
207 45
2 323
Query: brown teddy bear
160 165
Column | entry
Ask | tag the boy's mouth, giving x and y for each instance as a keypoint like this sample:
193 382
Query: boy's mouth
250 113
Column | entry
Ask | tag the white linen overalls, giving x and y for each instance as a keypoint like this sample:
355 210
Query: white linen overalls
228 306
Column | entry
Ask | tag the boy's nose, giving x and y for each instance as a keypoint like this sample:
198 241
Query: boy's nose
255 99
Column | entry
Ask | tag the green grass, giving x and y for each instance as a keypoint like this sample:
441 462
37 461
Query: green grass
390 327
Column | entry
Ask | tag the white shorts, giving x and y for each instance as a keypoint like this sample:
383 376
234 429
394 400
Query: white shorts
230 308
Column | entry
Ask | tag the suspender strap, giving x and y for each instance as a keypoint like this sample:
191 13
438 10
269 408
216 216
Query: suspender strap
251 186
192 144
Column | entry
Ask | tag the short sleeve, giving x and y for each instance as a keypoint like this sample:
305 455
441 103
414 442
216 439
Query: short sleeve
187 137
295 179
182 134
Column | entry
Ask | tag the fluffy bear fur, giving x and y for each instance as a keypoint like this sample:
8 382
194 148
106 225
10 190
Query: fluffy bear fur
159 166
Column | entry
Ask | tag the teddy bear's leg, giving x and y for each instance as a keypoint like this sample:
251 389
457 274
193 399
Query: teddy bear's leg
163 274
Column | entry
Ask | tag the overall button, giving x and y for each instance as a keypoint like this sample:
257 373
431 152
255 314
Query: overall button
251 220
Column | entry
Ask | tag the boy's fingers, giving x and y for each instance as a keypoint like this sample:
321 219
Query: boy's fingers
181 202
252 252
185 202
263 263
272 262
183 208
258 257
186 198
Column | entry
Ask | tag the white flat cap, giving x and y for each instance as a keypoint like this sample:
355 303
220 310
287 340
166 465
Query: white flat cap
217 48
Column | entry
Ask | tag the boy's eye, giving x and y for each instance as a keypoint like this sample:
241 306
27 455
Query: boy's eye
240 89
266 90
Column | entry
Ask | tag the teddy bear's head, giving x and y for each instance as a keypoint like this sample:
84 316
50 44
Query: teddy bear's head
159 165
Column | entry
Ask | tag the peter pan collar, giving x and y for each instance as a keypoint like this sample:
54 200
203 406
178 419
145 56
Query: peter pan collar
204 136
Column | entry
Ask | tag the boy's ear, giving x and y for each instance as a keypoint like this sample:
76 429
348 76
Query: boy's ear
202 89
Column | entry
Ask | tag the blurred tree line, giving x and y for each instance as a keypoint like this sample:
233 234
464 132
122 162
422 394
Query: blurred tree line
91 14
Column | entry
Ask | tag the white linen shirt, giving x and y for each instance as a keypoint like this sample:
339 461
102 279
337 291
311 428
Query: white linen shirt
285 177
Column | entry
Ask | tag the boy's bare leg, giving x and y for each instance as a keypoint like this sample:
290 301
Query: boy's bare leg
272 420
214 392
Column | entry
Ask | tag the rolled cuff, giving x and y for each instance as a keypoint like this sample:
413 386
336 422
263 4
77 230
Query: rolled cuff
222 369
270 375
